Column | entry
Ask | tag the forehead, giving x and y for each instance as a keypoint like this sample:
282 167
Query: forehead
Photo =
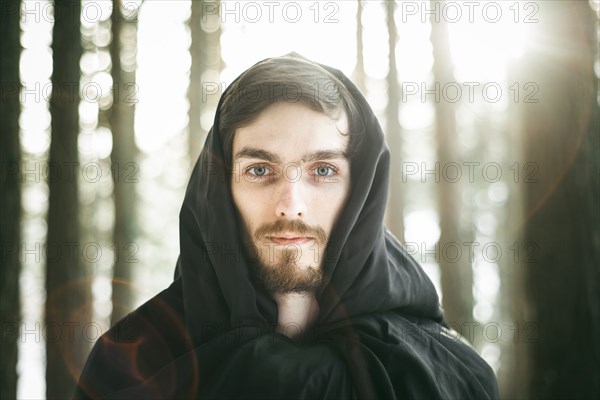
291 130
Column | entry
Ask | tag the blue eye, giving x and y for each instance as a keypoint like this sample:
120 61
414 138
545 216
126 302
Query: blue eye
259 170
324 170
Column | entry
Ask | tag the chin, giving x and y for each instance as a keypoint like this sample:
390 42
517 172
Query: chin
289 277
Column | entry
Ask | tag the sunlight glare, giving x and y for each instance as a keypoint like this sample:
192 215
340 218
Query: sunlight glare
375 32
482 49
422 226
323 32
163 74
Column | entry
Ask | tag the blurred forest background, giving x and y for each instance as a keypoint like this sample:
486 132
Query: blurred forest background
492 117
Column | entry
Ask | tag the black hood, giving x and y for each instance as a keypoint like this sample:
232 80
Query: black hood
378 335
365 267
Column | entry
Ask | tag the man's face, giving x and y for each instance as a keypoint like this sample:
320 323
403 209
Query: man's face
290 182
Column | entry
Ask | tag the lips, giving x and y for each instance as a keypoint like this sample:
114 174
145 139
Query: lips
289 240
294 232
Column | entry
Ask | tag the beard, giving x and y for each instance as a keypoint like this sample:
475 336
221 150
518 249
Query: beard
283 270
287 276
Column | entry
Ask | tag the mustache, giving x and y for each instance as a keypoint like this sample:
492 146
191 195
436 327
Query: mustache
296 226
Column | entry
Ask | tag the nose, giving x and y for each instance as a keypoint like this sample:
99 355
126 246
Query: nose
290 201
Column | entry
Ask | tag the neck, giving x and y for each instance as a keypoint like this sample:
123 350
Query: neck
297 312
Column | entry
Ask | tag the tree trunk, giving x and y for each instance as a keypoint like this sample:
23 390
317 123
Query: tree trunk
10 198
123 157
359 70
67 289
562 138
205 28
395 209
456 274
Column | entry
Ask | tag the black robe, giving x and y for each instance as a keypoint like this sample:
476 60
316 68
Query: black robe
211 334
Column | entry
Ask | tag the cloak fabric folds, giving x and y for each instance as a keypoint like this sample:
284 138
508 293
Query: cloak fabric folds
211 334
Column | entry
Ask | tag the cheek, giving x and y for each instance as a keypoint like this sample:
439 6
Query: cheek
240 205
249 203
329 203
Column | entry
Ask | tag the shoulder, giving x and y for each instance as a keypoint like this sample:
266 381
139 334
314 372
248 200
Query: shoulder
137 346
421 356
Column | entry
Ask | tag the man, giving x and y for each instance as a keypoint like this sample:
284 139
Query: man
288 285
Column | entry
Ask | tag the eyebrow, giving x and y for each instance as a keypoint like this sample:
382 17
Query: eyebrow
324 155
253 152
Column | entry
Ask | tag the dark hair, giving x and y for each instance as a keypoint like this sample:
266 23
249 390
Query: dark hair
289 78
